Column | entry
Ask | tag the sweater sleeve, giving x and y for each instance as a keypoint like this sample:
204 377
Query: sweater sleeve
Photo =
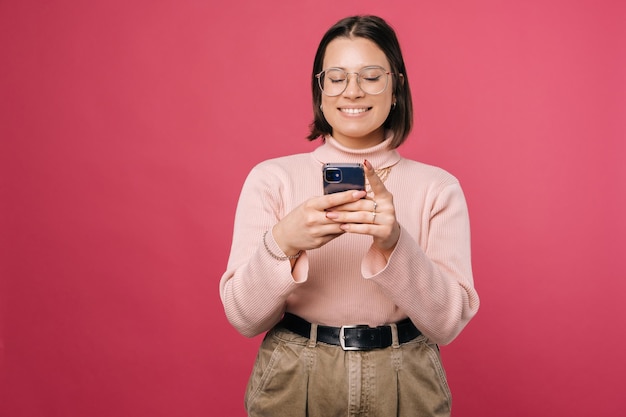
255 286
433 284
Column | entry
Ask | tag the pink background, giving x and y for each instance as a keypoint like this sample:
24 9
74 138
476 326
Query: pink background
128 127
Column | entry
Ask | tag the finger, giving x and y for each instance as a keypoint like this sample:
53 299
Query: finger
337 199
375 183
353 217
362 204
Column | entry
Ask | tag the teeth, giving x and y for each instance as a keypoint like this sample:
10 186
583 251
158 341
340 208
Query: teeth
353 111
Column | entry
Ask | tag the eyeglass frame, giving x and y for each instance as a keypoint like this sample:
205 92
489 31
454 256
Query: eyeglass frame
358 82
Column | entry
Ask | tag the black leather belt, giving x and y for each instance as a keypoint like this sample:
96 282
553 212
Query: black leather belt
361 337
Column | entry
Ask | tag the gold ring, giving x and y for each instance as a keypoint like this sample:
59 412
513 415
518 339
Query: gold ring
375 205
373 217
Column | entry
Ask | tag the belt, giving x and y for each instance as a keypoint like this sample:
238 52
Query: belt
360 337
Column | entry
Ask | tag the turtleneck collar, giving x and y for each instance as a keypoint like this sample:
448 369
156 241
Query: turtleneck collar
379 156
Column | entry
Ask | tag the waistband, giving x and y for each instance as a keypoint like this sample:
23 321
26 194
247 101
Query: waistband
359 337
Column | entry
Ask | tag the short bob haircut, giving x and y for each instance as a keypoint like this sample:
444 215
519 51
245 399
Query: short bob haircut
400 119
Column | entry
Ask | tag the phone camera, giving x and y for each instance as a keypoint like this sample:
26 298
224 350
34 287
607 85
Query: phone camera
333 175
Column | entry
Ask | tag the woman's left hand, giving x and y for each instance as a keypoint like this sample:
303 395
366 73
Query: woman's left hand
374 215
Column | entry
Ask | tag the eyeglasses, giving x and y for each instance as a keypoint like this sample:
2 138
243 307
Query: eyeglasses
372 80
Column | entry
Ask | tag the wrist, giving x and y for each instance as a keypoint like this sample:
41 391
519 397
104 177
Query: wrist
277 256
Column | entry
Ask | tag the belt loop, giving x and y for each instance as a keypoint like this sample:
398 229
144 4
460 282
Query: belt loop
313 335
395 342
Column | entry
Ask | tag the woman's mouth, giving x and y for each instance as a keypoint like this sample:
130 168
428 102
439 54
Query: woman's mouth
354 111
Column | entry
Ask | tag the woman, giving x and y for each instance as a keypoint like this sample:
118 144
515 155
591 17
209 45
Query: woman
355 289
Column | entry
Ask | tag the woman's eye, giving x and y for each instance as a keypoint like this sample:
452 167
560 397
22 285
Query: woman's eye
337 80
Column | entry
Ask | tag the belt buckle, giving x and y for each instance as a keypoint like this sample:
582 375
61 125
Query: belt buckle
342 338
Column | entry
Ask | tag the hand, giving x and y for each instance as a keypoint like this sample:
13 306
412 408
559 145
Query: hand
307 227
375 215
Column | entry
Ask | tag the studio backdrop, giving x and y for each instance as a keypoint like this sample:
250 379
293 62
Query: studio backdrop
127 129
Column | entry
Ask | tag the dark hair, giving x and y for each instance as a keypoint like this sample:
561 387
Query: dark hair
400 119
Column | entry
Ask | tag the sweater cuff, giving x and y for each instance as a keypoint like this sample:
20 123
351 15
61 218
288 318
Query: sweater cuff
374 262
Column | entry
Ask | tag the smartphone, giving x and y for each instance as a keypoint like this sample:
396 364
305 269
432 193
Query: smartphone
343 177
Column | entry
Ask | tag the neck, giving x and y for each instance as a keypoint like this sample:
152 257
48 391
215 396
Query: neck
361 142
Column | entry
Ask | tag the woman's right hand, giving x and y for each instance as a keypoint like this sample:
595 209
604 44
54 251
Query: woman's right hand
307 227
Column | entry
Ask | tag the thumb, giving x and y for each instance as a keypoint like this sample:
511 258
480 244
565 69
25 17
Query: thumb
375 183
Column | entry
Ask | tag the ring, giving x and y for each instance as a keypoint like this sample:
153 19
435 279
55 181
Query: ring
373 217
375 205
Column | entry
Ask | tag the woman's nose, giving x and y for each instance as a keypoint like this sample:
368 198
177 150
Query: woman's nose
353 89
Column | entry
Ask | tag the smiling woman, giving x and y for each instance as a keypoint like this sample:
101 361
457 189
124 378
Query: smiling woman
364 284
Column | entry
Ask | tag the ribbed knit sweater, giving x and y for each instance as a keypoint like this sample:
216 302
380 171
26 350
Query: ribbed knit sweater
427 278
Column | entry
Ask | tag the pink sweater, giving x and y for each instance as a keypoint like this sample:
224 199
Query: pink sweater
428 277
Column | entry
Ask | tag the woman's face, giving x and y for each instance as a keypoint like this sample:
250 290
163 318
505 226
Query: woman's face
357 117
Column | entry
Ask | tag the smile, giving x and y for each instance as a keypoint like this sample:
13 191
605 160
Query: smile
355 111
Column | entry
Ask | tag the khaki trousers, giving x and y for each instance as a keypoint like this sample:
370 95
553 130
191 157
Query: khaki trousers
294 376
